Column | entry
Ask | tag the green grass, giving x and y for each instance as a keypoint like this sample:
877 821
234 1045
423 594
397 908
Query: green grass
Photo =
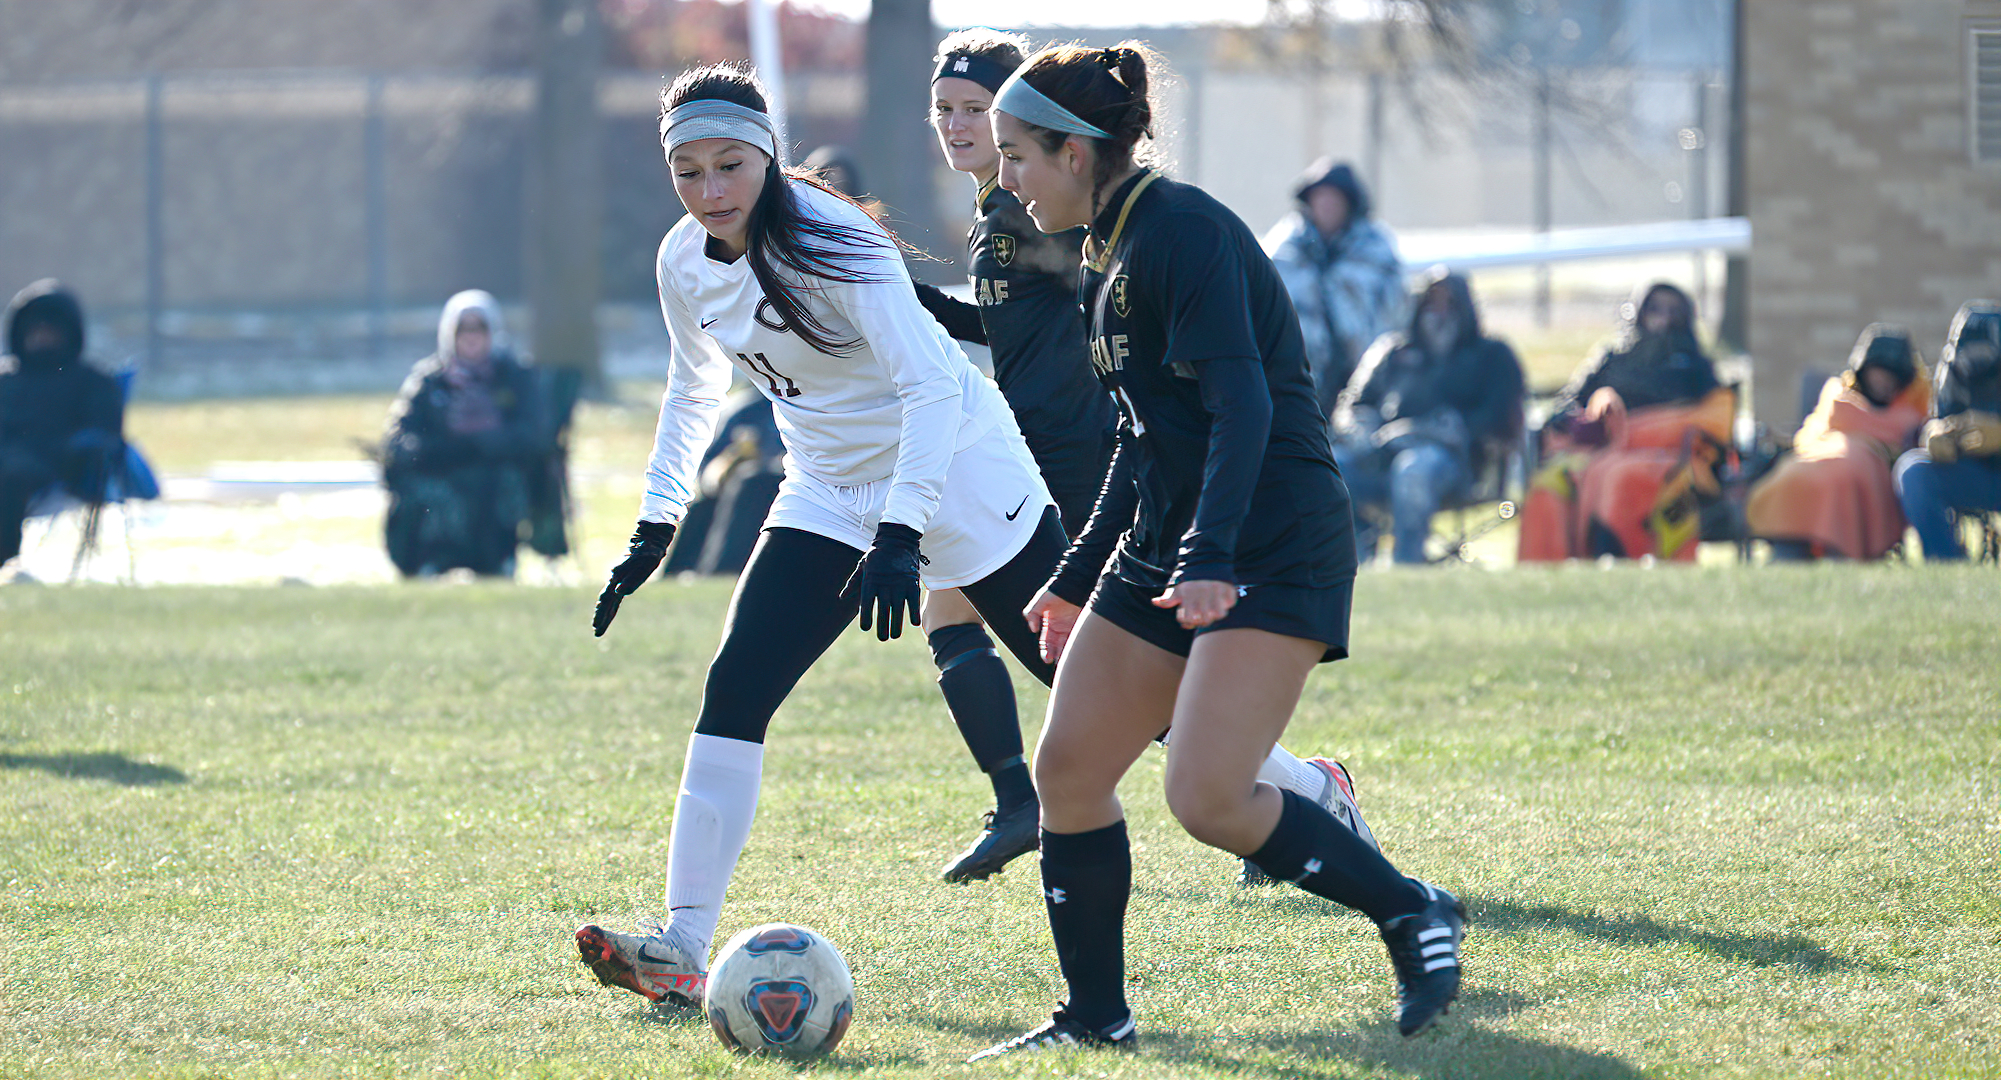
1711 822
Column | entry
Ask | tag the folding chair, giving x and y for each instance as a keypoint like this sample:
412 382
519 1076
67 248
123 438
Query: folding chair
125 476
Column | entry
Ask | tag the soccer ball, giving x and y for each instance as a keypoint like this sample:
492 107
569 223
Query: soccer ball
780 988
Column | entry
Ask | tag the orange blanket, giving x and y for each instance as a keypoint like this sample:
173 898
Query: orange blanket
1617 488
1834 491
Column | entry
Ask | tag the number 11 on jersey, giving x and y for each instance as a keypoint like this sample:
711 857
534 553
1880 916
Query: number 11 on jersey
756 362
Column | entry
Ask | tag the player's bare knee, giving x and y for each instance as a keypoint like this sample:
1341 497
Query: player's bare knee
1210 811
1064 780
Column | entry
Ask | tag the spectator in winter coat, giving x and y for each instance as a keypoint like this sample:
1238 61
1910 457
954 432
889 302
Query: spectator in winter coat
60 418
1426 412
1625 450
1832 496
1340 267
466 438
1958 466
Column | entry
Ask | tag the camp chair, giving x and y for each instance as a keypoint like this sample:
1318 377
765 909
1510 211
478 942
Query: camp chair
1503 472
124 475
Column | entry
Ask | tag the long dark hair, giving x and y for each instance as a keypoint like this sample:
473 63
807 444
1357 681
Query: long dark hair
1102 87
781 234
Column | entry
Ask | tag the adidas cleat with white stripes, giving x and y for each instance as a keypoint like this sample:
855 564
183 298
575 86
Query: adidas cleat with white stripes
1424 949
1061 1032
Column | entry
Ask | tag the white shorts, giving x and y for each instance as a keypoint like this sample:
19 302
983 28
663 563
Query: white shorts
991 505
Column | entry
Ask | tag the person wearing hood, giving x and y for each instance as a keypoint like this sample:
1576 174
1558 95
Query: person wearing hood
1832 496
1340 266
1423 415
60 417
463 436
1624 449
1958 464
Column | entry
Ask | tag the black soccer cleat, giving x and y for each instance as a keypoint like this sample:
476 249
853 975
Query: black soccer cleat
1424 949
1005 836
1062 1031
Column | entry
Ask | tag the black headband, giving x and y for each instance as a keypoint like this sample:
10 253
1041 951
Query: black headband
986 71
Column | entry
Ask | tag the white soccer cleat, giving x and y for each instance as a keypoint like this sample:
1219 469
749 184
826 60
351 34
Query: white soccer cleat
658 966
1338 798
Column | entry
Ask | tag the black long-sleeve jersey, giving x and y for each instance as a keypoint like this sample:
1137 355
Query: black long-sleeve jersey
1223 469
1025 282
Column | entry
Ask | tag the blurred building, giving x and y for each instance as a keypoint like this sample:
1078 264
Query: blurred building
304 180
1874 171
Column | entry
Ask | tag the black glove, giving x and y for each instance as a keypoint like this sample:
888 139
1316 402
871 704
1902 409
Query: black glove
887 579
649 546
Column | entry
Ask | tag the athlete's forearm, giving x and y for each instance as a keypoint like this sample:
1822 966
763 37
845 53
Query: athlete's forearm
1118 501
1239 405
960 319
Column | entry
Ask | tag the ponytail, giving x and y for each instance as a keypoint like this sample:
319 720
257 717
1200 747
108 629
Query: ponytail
1106 88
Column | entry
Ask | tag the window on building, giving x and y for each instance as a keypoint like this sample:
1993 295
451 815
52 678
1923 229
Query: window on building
1984 93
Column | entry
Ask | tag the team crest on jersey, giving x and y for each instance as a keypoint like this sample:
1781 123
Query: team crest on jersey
768 318
1003 248
1121 297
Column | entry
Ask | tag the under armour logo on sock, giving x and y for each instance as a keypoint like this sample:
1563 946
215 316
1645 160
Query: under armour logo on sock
1312 867
1056 896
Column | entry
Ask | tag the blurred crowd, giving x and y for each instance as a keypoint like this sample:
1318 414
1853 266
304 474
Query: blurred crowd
1638 455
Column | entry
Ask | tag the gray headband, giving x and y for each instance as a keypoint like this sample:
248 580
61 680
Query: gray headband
1030 106
712 118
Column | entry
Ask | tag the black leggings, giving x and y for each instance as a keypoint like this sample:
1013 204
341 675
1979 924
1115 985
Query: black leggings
788 609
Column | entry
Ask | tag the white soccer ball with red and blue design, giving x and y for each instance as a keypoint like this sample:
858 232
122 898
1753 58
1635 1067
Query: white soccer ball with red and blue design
780 988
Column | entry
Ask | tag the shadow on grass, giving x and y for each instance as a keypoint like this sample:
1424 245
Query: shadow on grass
1454 1050
116 768
857 1059
1756 950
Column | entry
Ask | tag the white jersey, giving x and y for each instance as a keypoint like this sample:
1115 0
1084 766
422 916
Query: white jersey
896 407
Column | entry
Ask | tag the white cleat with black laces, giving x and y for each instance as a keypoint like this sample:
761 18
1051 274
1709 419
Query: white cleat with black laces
1424 949
1063 1032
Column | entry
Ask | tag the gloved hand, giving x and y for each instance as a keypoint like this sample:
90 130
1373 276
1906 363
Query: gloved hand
887 579
1942 440
1980 433
649 546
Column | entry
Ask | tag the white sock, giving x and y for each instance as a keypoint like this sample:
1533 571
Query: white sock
1282 770
712 817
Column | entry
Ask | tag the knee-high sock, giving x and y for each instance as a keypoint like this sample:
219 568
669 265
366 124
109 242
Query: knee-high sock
1086 879
980 696
1319 854
712 817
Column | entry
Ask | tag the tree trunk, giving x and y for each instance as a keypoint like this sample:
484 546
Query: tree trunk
566 189
898 160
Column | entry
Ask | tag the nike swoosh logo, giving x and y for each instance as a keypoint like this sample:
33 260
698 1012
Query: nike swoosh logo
706 323
1017 510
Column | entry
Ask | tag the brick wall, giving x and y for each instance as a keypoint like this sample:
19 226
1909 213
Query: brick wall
1865 203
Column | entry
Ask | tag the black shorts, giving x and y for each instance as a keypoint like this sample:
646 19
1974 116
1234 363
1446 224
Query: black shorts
1075 473
1313 614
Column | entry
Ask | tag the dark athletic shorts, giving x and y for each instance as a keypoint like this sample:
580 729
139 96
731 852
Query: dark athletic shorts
1295 611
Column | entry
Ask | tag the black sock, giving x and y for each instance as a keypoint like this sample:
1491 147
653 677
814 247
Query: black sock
1086 878
981 699
1319 854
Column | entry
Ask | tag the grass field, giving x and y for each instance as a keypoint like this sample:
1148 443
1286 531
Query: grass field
1714 822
